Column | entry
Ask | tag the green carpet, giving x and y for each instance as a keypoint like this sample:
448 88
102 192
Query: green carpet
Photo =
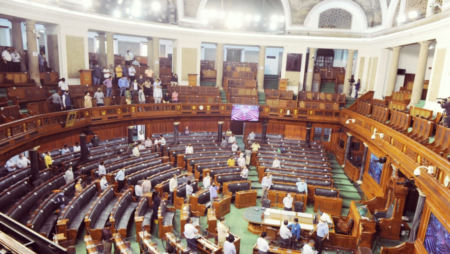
421 104
208 83
262 98
327 87
223 96
270 81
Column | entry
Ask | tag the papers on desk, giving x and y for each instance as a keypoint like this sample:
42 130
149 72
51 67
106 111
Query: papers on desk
274 211
289 213
306 226
272 222
305 215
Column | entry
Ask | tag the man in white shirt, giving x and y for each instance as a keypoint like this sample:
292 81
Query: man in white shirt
68 176
23 161
148 143
146 186
103 183
138 192
10 166
251 136
244 173
65 150
189 149
63 85
6 57
234 147
162 141
265 184
141 136
128 58
222 231
120 179
132 73
287 202
136 63
231 139
141 146
228 246
285 234
173 184
190 232
15 59
263 245
101 169
189 190
308 248
136 152
206 181
241 160
76 148
276 163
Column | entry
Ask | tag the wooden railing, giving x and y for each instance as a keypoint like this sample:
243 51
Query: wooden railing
404 248
406 152
25 133
351 170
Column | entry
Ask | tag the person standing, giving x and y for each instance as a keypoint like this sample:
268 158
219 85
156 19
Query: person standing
174 80
6 57
302 187
206 181
15 61
106 72
263 245
241 160
23 161
132 73
157 94
103 183
67 101
138 192
228 246
266 183
223 143
231 162
213 192
156 83
120 179
190 232
123 84
87 100
96 75
285 235
357 87
56 99
101 169
173 184
175 96
149 74
68 176
108 84
141 96
128 58
99 96
255 147
322 234
41 59
308 248
78 187
244 173
248 156
135 88
128 97
146 186
287 202
118 73
189 191
295 230
11 166
156 203
136 152
48 160
95 141
222 231
231 139
276 163
147 88
234 147
148 143
251 136
107 238
189 149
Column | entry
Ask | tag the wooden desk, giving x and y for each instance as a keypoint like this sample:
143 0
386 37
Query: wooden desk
282 84
222 206
245 198
176 244
85 77
121 247
277 250
364 228
148 245
90 246
212 221
192 79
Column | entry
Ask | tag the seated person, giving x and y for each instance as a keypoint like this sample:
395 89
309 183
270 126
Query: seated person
302 187
174 80
228 133
251 136
276 163
189 149
186 131
65 150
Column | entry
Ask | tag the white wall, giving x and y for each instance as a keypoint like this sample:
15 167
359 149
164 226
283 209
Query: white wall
243 54
271 65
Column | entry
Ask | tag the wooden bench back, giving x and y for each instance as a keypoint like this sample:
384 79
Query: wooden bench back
38 108
23 93
10 113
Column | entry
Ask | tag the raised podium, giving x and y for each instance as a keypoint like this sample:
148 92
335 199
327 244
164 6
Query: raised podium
245 199
222 207
282 84
192 78
85 77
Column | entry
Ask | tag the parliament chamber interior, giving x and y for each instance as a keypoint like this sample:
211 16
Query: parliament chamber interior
225 126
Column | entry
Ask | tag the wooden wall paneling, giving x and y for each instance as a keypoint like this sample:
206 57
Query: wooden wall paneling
103 134
369 186
194 126
295 132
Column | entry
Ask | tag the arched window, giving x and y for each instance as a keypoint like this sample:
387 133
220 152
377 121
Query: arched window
335 18
324 58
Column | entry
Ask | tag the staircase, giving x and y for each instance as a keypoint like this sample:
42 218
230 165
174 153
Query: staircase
347 190
271 82
223 96
327 87
349 102
261 98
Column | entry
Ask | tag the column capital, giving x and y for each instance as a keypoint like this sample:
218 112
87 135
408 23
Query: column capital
397 48
176 123
421 193
351 50
312 49
221 122
101 33
35 148
109 33
130 127
16 20
262 47
348 134
425 43
366 145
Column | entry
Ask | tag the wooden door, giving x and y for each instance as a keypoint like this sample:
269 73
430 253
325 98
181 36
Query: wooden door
237 127
295 132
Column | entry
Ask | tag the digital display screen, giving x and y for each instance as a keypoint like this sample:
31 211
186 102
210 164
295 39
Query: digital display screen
245 113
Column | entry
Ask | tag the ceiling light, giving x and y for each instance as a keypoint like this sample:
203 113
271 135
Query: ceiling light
156 6
257 18
119 1
87 3
281 19
413 14
117 14
401 18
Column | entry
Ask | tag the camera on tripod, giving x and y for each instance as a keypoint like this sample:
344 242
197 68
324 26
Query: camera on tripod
442 100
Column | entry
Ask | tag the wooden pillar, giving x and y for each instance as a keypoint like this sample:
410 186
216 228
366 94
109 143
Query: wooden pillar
308 134
264 131
83 148
32 52
347 147
175 132
219 132
363 166
34 164
130 134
